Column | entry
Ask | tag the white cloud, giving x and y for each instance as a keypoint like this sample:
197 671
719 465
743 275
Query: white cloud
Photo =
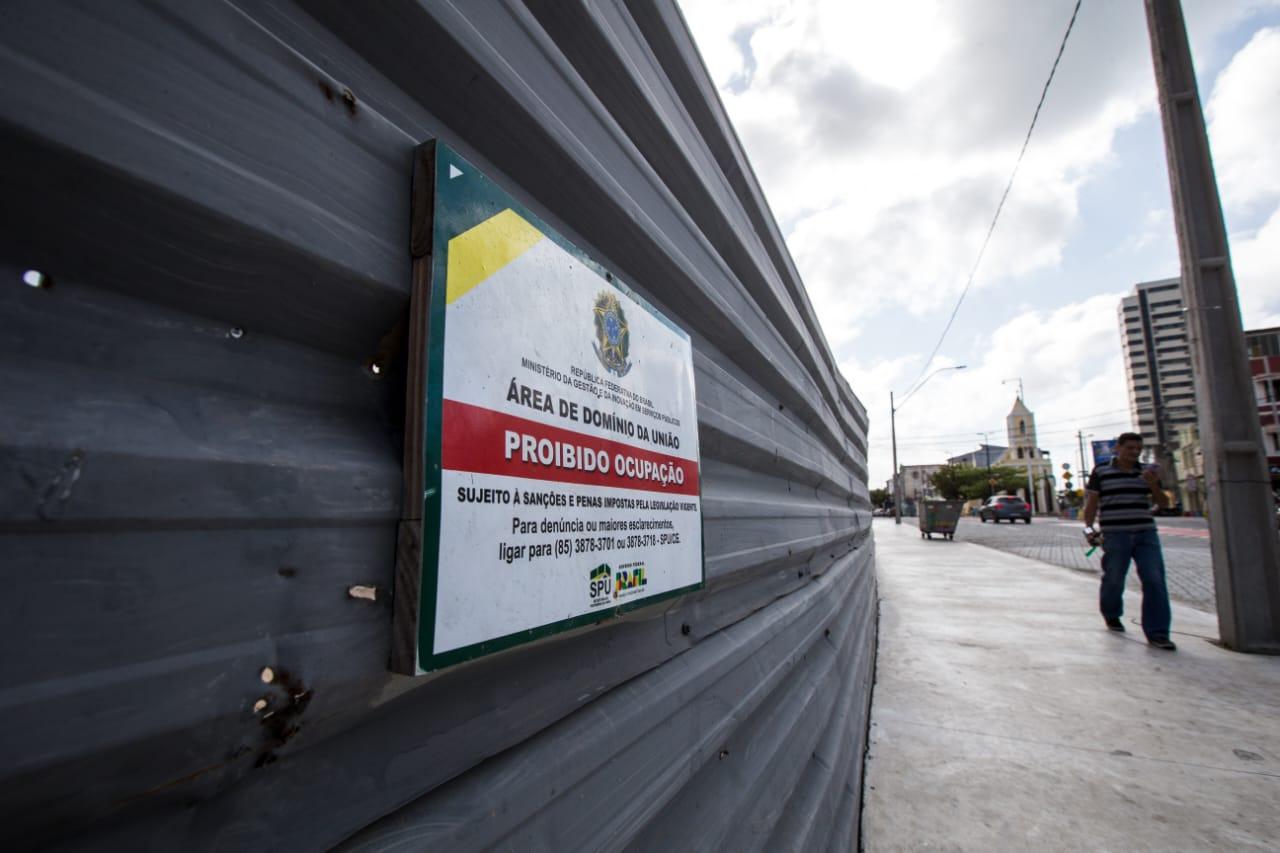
1244 129
1071 367
883 135
1244 122
1255 260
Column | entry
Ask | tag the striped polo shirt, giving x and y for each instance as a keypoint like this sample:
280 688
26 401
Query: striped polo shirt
1124 498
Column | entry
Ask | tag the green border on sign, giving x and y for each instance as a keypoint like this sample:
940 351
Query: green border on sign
461 203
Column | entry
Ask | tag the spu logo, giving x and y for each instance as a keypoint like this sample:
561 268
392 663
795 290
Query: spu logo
601 584
613 336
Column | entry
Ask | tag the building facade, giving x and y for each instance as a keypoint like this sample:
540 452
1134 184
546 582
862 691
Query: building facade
1189 460
1024 454
1264 366
917 482
984 457
1157 357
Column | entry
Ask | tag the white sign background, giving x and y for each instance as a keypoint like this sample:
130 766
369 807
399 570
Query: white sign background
540 308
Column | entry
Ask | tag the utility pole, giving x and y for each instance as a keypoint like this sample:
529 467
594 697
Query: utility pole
1241 518
893 431
897 481
1080 438
986 455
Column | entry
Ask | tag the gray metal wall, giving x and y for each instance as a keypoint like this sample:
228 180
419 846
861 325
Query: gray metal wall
195 464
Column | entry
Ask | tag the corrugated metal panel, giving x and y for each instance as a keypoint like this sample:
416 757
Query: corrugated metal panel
196 465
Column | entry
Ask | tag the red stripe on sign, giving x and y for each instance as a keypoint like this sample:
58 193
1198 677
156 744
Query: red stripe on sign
482 441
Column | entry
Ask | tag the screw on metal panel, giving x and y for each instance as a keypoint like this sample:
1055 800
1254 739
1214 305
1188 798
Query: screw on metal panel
268 675
374 367
724 753
369 593
685 629
235 333
349 98
259 706
36 279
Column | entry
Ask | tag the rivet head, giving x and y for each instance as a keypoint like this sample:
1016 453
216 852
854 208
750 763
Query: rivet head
235 333
268 675
35 278
259 706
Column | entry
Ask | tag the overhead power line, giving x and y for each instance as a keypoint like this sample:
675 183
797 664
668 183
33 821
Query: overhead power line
1045 437
1073 423
1004 196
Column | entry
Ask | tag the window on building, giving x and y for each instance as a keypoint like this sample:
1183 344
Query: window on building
1019 452
1262 345
1022 427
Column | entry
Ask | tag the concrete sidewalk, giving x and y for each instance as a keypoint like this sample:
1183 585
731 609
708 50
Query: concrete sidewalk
1006 717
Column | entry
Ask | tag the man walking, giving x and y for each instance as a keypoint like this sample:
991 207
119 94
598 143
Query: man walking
1123 490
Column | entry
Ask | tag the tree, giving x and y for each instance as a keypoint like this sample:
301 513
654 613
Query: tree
879 497
965 482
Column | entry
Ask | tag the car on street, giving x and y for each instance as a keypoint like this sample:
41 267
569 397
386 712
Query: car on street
1005 507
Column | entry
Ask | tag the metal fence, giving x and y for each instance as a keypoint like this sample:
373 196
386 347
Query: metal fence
206 240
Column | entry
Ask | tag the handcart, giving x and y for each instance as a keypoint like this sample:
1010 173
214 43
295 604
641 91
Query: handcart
939 517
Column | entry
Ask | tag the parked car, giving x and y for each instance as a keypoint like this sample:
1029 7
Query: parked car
1005 507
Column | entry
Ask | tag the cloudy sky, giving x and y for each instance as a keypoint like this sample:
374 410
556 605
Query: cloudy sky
884 133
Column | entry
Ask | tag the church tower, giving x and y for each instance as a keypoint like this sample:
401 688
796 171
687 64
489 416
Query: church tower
1021 425
1024 454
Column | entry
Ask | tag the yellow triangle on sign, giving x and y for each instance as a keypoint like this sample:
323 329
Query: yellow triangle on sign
479 252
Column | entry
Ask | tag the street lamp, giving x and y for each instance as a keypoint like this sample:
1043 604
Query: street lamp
893 431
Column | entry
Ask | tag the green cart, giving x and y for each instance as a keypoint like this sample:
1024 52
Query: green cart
939 517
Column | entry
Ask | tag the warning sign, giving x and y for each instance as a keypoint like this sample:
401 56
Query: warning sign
561 480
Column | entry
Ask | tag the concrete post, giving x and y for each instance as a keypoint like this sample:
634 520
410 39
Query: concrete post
1242 520
897 480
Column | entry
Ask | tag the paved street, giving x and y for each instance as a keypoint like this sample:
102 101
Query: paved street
1185 540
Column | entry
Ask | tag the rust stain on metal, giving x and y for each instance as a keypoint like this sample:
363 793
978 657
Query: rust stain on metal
283 721
172 783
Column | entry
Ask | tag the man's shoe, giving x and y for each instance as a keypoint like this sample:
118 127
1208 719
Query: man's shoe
1115 625
1162 643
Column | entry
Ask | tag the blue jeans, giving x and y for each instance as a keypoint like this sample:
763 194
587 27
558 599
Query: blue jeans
1143 547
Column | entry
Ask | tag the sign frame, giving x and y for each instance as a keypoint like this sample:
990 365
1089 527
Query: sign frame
439 215
1104 450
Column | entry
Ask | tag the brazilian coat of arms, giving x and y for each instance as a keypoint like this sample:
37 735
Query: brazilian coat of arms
613 337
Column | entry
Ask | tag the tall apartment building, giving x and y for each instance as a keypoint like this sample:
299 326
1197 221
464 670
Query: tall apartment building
1157 359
